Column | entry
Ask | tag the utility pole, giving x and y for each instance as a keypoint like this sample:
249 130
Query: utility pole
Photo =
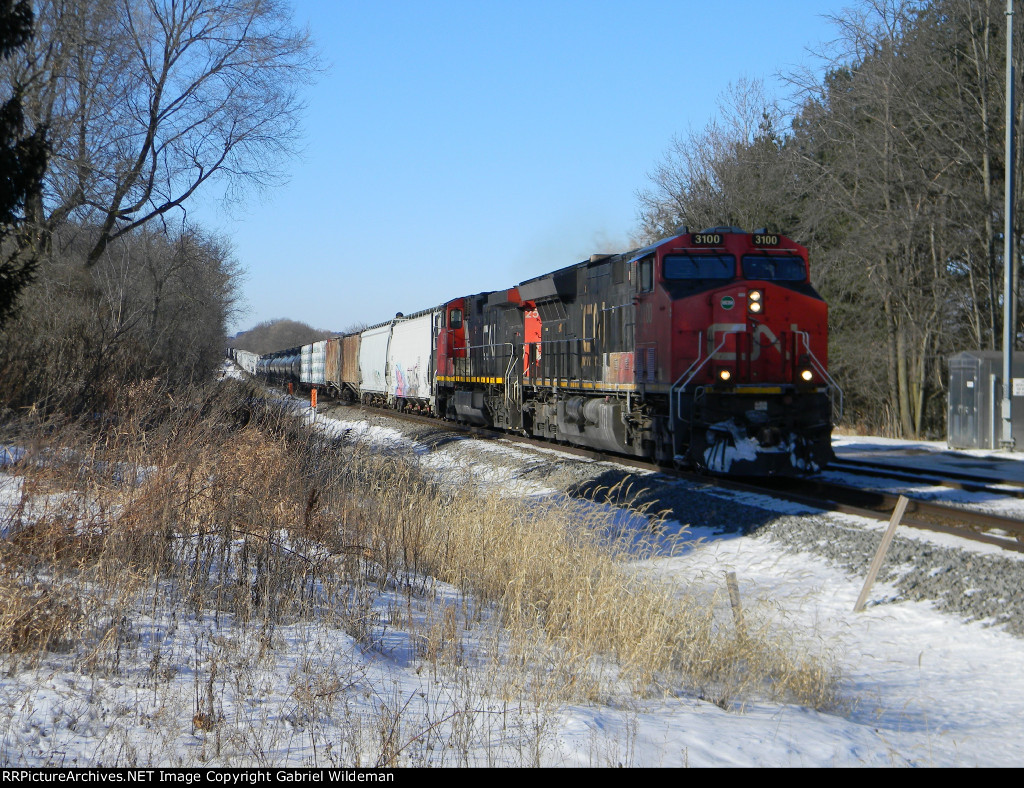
1008 263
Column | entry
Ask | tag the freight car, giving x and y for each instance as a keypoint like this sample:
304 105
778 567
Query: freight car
246 360
707 349
282 366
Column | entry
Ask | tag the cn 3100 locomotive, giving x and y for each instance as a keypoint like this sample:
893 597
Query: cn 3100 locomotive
707 349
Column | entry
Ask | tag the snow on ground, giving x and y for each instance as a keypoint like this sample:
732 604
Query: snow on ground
921 688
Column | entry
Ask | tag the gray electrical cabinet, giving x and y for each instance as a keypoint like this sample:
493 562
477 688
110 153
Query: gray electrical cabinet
975 396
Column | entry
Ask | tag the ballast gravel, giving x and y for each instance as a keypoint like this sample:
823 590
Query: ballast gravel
964 582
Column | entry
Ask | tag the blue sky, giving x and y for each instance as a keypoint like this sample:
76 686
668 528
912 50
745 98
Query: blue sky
455 147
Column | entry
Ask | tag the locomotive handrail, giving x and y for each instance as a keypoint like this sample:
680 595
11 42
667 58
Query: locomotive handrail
558 353
805 336
676 392
510 398
510 345
477 347
700 352
510 395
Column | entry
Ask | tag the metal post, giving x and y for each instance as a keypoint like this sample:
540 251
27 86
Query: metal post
993 387
1008 262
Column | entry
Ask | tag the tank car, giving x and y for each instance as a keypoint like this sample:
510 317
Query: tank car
282 366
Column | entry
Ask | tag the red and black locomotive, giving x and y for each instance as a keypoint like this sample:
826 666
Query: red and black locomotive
707 349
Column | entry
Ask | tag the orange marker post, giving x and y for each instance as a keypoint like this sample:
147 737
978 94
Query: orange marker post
312 399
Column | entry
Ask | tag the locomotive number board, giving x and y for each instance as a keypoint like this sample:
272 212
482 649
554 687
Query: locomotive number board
706 239
764 239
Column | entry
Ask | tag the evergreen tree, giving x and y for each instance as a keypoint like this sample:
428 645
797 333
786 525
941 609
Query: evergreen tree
22 164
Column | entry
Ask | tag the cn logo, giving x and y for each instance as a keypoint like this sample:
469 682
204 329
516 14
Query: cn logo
718 331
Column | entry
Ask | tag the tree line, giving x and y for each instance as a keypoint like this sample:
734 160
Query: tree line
889 167
115 113
281 334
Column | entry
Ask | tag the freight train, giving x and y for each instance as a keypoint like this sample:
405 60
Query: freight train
707 349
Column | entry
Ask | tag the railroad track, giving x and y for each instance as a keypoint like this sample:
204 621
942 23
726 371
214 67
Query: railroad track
1004 532
968 482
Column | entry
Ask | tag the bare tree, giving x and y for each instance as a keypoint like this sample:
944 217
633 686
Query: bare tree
155 305
272 335
148 100
715 176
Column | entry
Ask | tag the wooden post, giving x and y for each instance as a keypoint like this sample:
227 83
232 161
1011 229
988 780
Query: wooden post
291 389
883 548
734 599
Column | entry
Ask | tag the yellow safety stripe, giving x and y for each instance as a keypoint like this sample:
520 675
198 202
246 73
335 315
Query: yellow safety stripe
581 384
541 382
465 379
740 389
585 384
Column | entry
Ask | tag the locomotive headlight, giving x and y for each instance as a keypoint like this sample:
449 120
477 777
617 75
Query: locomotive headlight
724 374
755 302
806 374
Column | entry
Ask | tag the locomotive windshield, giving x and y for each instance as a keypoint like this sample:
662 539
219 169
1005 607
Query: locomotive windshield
700 266
774 268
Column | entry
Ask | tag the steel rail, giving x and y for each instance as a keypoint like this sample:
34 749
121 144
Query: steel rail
956 480
922 514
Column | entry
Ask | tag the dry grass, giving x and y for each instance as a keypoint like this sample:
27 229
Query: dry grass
219 506
567 588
